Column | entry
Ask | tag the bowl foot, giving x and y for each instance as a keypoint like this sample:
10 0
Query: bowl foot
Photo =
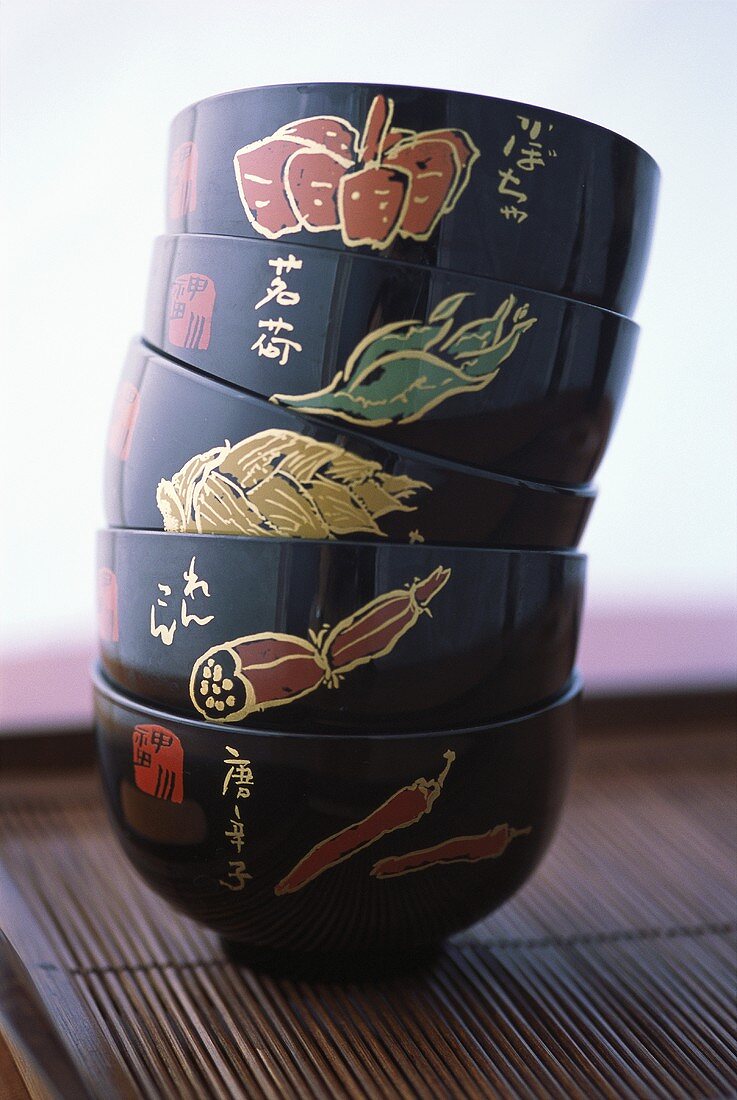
361 966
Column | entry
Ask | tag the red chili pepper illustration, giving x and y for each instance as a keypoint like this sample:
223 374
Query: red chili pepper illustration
460 849
404 808
235 679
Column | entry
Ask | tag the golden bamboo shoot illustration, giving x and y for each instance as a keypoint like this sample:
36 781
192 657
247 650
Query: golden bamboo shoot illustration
285 485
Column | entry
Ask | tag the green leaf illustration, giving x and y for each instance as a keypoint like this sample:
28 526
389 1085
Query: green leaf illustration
404 336
399 388
478 334
479 356
393 377
447 308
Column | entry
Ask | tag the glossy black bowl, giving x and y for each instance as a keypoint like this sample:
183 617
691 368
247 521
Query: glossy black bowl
187 453
476 371
326 635
445 179
316 846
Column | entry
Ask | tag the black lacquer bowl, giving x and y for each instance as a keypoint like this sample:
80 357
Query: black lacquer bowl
328 845
321 635
445 179
476 371
186 453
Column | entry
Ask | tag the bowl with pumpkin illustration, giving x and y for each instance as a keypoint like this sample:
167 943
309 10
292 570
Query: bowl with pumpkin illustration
462 182
298 634
311 845
188 454
469 369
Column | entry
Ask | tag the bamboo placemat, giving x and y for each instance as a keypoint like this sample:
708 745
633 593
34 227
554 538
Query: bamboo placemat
612 974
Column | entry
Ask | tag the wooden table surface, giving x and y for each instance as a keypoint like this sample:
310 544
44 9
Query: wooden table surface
611 974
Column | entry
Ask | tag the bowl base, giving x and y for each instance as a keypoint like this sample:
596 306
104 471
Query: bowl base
329 966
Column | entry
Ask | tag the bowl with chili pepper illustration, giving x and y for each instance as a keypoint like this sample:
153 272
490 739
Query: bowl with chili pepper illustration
469 369
189 454
291 633
311 844
461 182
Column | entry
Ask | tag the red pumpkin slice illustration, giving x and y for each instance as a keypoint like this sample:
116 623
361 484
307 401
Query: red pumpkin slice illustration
259 169
378 124
394 136
373 201
372 204
312 178
467 154
434 168
316 174
334 135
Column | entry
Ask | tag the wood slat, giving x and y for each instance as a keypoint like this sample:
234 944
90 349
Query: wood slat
612 974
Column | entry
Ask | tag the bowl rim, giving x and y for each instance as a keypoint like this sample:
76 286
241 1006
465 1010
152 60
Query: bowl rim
371 85
147 351
102 687
626 322
401 547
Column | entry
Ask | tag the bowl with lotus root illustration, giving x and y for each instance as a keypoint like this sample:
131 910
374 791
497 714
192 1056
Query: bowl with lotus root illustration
187 454
473 370
443 179
317 845
286 633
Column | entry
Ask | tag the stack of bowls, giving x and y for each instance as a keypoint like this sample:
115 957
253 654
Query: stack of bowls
349 466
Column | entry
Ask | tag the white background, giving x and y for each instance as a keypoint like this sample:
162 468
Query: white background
89 89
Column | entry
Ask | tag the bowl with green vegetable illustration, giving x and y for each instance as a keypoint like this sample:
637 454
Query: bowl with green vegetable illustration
187 454
481 372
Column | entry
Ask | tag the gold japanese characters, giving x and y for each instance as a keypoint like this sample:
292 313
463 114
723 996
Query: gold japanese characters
525 151
237 786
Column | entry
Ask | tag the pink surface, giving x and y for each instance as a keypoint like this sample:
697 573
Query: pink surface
633 648
621 650
50 687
